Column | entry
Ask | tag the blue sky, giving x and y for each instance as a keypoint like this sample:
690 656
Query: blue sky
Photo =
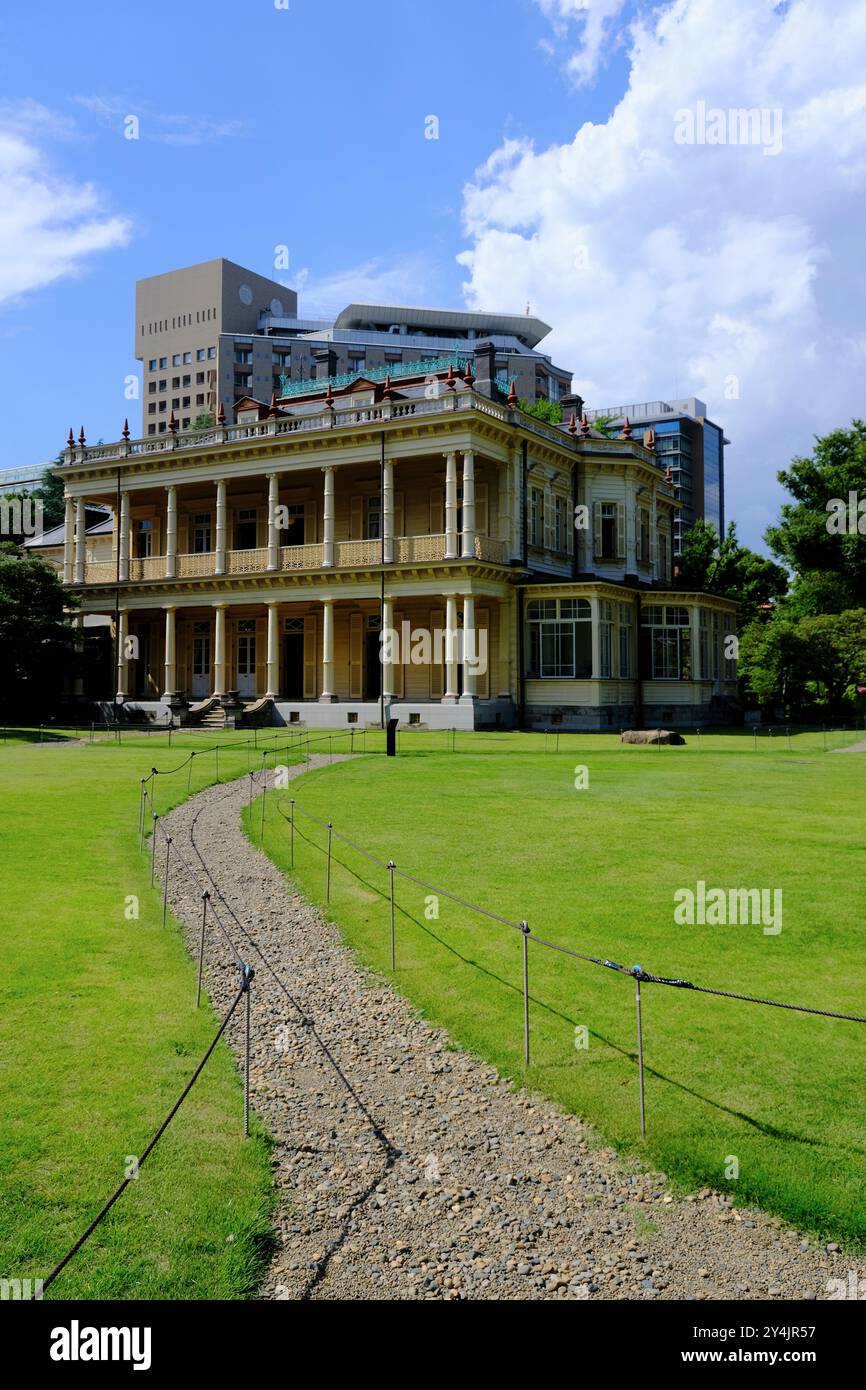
258 127
556 178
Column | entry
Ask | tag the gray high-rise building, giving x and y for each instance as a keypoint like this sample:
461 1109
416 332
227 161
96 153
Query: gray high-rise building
694 448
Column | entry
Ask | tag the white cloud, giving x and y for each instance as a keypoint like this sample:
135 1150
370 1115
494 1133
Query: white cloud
49 225
160 126
702 262
596 18
401 281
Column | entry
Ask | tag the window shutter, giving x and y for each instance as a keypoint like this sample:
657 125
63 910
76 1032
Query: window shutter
356 519
182 656
547 533
310 523
157 532
437 668
356 655
261 656
482 510
261 530
183 533
638 535
654 549
399 513
437 511
482 624
596 529
398 671
311 666
620 531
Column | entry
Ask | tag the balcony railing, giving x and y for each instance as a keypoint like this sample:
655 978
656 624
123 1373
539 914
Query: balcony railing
347 555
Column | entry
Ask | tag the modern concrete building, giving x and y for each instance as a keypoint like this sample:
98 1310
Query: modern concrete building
212 334
692 446
411 545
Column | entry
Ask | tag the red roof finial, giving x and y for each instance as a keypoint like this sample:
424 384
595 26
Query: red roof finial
584 425
221 414
70 440
329 397
387 389
512 394
626 429
668 475
172 423
272 408
449 377
125 431
649 438
82 441
467 375
572 424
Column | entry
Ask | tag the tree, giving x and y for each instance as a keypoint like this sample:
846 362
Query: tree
51 494
549 411
35 635
835 645
725 567
204 421
773 661
822 533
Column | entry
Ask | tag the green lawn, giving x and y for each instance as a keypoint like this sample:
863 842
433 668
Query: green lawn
499 822
99 1034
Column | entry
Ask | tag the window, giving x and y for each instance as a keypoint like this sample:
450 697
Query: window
175 383
211 352
185 381
187 357
664 561
373 511
244 356
201 533
245 529
151 409
559 643
151 366
607 531
536 515
151 388
605 637
163 363
293 532
143 539
199 400
162 383
703 644
625 640
175 361
666 639
357 364
199 354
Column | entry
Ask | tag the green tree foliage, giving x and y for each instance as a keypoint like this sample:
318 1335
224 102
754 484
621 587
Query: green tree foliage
828 556
35 635
549 411
727 568
204 421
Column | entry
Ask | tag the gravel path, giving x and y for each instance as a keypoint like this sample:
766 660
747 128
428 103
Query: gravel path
407 1169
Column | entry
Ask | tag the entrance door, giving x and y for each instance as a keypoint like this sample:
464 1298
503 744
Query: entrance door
142 667
372 666
200 666
293 665
246 665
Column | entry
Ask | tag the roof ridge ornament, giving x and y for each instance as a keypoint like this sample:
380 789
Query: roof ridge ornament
572 424
626 429
584 426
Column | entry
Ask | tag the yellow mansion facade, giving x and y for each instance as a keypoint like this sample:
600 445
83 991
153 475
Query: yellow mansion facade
301 564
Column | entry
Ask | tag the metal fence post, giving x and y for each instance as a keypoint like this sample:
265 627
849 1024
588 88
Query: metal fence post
141 806
153 848
217 762
165 885
328 873
264 799
249 973
636 971
205 898
252 776
391 867
189 774
292 832
524 928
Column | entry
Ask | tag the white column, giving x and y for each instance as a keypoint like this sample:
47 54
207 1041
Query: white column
327 694
451 631
122 667
123 538
470 648
171 532
273 651
451 550
219 665
468 550
170 687
388 512
328 518
273 529
387 666
220 557
69 542
80 552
